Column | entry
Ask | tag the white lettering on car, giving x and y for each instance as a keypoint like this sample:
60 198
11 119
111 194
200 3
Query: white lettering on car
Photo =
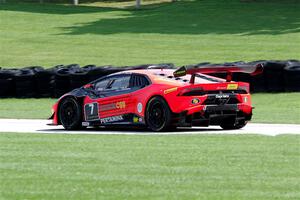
111 119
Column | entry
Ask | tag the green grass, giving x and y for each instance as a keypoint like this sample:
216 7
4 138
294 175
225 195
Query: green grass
276 108
44 166
183 32
269 108
26 108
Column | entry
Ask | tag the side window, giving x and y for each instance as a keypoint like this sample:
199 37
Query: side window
101 85
119 83
139 81
113 83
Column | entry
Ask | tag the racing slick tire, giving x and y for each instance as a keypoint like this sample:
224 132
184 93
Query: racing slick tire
70 114
232 124
158 115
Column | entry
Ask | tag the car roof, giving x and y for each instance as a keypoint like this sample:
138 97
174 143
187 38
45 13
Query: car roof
165 76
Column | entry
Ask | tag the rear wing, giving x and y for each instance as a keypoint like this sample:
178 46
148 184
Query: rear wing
226 68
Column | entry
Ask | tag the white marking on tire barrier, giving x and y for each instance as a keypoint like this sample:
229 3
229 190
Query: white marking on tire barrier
40 126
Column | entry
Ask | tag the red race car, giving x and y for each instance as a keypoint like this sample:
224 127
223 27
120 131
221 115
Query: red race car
160 99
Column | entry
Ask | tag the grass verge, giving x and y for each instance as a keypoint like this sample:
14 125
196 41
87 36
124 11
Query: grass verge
35 166
26 108
276 108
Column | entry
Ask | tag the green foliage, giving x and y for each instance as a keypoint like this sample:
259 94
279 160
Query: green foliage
183 32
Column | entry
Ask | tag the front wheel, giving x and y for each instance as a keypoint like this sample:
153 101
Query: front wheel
232 124
70 114
158 114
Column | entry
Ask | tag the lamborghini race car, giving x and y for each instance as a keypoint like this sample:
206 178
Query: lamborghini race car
160 99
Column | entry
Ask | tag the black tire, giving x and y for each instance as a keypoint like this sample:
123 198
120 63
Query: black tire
231 124
70 114
25 83
292 77
44 83
158 115
78 78
7 82
273 75
62 83
98 72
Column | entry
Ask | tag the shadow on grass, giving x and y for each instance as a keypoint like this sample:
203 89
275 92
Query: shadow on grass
201 18
190 17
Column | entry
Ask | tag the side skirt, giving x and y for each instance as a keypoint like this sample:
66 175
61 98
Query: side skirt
120 120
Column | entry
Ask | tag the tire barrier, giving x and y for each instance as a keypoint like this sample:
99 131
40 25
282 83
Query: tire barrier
61 83
7 82
292 76
257 83
44 83
35 81
25 83
273 75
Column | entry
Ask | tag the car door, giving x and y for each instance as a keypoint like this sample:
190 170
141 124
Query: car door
114 98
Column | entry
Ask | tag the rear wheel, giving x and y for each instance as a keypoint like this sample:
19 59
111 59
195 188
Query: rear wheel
158 114
231 124
70 114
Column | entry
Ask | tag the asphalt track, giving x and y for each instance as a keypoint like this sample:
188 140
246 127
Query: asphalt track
40 126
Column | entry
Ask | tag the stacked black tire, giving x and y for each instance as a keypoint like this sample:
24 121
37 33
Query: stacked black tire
292 76
7 82
38 82
35 81
278 76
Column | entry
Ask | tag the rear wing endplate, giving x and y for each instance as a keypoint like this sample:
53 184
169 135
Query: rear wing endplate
211 68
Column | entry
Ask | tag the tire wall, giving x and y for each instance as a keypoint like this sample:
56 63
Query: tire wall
37 82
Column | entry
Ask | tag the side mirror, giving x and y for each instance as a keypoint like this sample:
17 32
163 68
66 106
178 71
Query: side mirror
88 86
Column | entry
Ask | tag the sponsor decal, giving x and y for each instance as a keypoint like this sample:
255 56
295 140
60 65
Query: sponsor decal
106 107
85 123
170 90
121 105
195 101
222 96
111 119
135 119
139 107
180 72
232 86
111 106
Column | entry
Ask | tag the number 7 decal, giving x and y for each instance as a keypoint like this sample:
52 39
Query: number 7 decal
91 112
91 108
